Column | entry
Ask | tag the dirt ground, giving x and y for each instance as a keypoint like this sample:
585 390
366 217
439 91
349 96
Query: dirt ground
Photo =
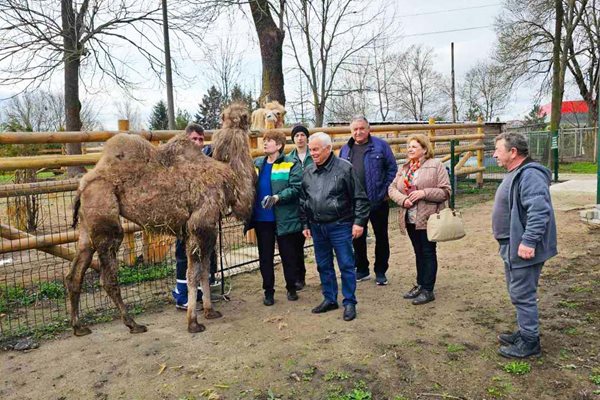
393 350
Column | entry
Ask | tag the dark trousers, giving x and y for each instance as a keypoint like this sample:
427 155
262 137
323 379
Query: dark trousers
181 262
301 270
288 248
379 221
425 252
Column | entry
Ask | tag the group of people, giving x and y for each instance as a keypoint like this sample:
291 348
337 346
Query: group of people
312 193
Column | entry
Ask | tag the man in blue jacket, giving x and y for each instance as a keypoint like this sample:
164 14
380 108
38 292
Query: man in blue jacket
523 223
374 163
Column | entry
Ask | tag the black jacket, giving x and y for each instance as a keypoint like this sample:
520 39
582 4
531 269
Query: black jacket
332 192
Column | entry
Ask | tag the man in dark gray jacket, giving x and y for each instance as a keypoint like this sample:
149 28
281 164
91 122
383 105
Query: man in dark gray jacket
523 223
333 209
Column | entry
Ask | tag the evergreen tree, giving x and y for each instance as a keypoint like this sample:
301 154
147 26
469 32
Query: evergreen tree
473 112
536 120
182 118
237 94
209 111
159 119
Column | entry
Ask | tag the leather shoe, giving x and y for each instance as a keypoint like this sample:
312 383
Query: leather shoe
292 296
300 285
521 348
349 312
412 293
324 307
424 297
269 300
508 338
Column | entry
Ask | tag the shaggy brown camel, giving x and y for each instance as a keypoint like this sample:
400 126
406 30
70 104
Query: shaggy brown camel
174 189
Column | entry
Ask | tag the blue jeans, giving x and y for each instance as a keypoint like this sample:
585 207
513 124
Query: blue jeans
327 238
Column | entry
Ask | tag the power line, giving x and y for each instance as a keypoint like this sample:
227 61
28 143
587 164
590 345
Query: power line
448 10
447 31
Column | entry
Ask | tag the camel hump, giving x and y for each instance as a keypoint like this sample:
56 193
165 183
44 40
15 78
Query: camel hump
127 148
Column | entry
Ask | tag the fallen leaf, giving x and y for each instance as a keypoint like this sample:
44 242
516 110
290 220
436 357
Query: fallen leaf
221 386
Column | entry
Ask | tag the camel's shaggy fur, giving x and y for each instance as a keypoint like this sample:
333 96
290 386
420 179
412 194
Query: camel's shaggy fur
269 117
173 188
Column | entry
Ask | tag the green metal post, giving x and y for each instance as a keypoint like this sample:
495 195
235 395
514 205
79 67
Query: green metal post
598 147
555 154
452 176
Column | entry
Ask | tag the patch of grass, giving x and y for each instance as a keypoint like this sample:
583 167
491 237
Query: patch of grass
308 373
360 392
572 331
580 289
455 348
595 379
568 304
334 375
14 296
400 397
52 290
517 367
578 168
563 354
144 273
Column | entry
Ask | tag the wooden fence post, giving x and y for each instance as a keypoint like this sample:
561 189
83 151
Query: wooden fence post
480 155
432 132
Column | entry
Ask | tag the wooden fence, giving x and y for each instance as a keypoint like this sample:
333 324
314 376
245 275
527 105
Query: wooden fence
43 255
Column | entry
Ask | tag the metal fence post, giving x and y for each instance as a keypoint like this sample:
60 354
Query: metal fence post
452 174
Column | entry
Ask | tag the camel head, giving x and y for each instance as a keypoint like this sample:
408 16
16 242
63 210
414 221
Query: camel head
274 115
236 116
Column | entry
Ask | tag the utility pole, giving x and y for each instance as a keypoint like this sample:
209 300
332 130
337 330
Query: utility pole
453 92
169 76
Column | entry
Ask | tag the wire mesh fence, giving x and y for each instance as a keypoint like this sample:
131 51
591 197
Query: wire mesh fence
35 259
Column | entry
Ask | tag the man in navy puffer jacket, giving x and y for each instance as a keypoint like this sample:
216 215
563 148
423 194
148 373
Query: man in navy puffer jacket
375 165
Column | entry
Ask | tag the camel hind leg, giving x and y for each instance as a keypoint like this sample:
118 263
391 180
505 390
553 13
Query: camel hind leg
74 280
101 210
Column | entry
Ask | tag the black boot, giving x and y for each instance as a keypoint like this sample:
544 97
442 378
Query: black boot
269 299
522 348
508 338
424 297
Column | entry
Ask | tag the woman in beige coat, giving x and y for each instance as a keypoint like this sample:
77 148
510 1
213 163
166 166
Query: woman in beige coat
420 189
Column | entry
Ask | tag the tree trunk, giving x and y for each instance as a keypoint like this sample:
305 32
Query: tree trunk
556 81
72 57
270 38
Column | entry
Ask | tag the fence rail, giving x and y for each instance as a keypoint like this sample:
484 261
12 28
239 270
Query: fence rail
37 241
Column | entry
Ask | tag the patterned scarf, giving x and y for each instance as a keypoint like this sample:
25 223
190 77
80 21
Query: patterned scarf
409 175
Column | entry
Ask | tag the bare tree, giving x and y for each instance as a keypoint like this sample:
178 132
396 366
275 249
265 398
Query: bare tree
41 111
267 17
127 110
43 37
324 35
225 62
526 36
352 94
418 85
384 68
487 89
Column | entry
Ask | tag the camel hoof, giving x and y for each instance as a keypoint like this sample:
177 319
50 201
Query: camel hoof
212 314
195 327
81 330
138 329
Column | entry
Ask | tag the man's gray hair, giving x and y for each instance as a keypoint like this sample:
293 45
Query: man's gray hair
324 138
516 140
360 117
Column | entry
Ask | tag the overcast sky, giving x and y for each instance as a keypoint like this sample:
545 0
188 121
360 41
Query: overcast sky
435 23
